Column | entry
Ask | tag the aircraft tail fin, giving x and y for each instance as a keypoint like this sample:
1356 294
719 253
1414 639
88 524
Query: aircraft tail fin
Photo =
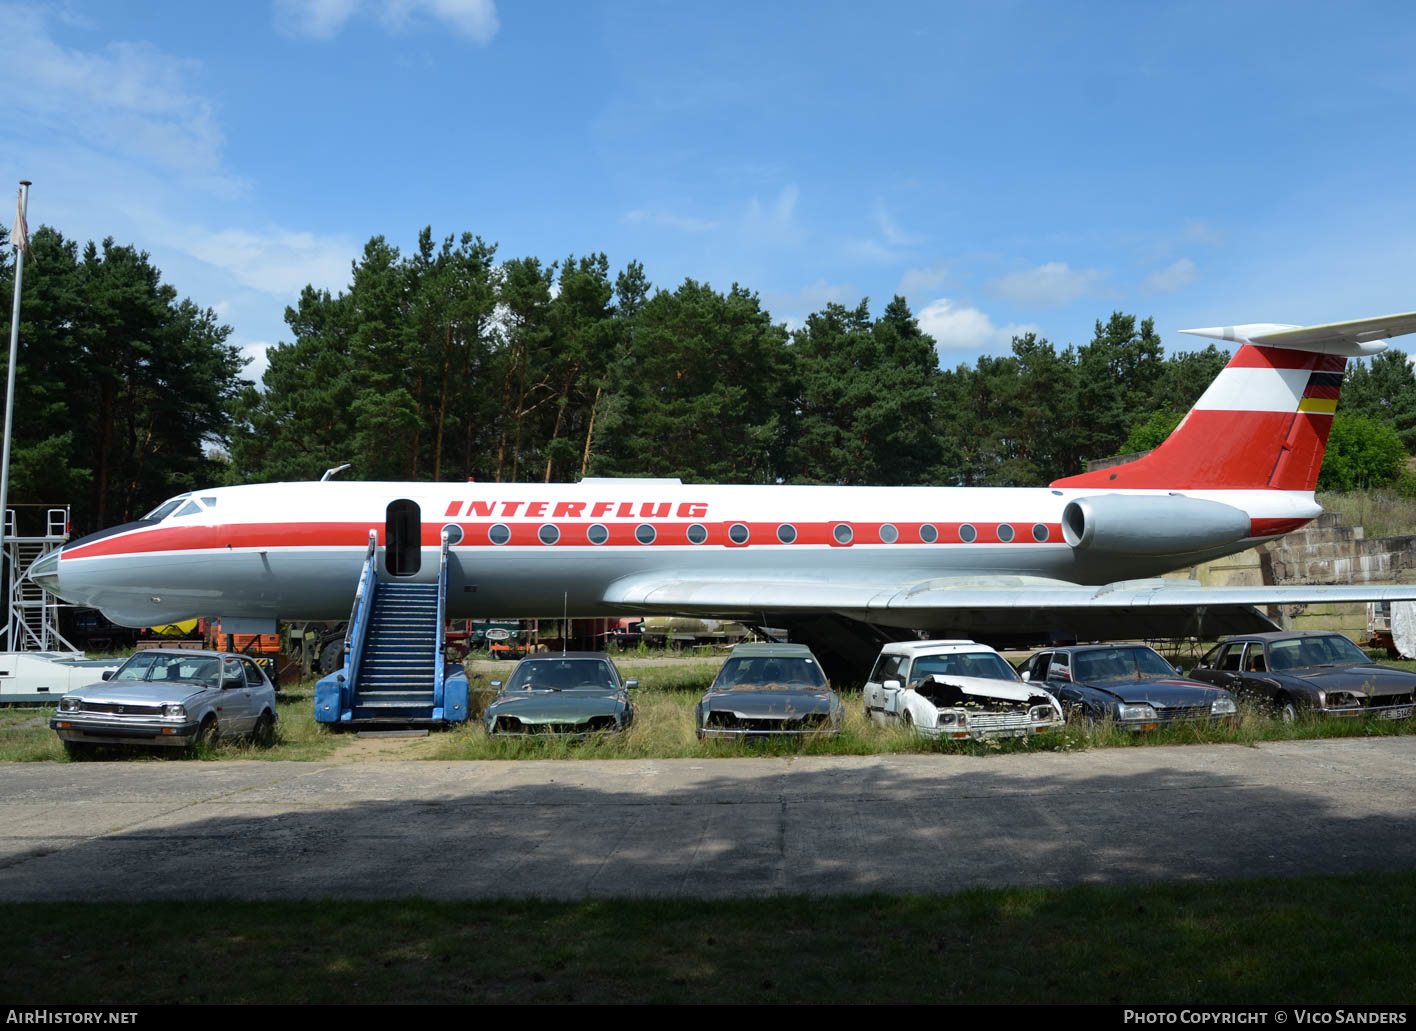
1264 421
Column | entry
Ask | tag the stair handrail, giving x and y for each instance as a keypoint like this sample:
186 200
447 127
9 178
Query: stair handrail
355 633
440 636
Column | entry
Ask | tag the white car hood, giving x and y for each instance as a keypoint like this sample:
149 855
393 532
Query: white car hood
982 687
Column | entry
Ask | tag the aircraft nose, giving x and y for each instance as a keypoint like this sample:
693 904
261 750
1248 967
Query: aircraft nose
45 571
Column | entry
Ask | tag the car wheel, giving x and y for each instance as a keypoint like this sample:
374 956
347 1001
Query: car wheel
906 720
1084 718
1287 711
209 733
264 732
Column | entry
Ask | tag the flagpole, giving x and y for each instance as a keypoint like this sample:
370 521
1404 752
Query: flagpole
19 237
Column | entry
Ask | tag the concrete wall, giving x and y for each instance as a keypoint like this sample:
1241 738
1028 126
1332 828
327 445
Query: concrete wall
1323 552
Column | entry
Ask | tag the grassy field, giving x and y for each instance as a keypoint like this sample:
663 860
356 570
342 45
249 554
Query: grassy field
1313 940
664 729
1380 513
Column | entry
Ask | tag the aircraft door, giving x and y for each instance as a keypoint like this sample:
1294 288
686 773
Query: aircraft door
403 532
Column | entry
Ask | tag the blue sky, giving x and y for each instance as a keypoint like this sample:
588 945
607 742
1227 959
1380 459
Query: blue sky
1005 166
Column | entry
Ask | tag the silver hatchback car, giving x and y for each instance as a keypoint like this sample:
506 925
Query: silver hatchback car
169 698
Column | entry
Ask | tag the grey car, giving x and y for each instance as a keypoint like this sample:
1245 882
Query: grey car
573 693
769 690
170 699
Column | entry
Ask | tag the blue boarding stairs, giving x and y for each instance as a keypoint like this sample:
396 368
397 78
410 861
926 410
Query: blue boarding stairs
394 670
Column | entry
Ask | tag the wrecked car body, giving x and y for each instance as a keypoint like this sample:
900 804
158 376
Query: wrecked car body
769 691
956 690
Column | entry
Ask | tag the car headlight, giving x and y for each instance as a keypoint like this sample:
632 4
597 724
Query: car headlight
1135 712
69 704
174 712
1339 699
1223 707
1042 712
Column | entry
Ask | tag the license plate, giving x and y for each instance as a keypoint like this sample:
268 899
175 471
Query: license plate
1397 714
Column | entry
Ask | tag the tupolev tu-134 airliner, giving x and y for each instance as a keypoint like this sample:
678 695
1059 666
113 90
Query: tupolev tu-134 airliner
841 567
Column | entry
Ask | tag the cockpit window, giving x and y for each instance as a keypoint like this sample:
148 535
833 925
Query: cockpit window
209 502
190 508
165 509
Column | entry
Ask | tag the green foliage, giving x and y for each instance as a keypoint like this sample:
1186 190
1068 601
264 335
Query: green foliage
121 390
1152 432
1384 388
1361 452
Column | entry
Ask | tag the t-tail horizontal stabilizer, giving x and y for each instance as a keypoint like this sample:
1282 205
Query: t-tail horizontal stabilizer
1263 423
1359 338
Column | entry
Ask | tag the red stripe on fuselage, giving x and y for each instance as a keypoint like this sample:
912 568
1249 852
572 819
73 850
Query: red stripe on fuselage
527 534
1275 527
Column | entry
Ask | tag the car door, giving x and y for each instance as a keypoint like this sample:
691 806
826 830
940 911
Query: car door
1255 681
893 673
1228 666
1056 676
235 702
875 686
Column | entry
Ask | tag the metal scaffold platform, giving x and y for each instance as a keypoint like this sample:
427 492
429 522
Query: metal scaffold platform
32 614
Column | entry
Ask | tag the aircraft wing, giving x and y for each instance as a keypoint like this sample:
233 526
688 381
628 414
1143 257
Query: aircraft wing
999 604
1006 592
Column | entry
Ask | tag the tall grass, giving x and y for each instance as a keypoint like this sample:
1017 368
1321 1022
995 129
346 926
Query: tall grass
1380 513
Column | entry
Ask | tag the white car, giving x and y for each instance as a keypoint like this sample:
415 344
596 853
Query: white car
956 689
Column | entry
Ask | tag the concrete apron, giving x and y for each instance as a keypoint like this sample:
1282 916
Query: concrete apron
704 828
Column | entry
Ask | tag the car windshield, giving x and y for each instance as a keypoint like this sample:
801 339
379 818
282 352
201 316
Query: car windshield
563 675
987 665
1118 664
787 673
1325 650
153 666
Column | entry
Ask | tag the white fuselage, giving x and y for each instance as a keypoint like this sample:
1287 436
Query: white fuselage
295 550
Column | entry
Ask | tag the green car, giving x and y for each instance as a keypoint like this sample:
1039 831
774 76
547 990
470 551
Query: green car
572 693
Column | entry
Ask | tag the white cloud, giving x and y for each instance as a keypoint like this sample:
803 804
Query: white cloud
967 329
686 223
774 223
894 235
318 19
923 280
794 305
321 19
1198 231
1175 276
1051 285
475 19
871 250
278 261
129 98
254 351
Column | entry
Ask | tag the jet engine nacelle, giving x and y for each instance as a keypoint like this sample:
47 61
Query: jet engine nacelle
1124 524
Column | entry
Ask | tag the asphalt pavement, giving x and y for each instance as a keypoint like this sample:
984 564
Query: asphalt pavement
703 828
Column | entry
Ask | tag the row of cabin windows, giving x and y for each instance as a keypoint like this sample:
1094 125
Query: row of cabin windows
738 533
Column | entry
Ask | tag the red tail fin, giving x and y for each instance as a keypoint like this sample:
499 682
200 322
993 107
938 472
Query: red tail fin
1263 423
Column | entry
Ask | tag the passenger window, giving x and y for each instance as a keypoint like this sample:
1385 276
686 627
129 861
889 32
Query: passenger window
1254 663
877 675
1232 657
1038 670
253 675
890 668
